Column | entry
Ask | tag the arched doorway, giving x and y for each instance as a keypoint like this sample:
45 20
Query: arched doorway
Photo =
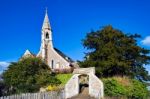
84 83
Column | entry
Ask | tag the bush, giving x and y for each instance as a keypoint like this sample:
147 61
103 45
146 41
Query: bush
149 93
124 87
3 88
138 90
28 75
47 79
52 88
63 78
113 88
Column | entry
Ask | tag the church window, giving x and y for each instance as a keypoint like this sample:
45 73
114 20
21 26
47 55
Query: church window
52 64
47 36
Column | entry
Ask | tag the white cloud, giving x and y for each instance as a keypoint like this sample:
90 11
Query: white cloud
3 66
146 41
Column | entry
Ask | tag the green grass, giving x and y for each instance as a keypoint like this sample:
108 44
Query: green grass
63 78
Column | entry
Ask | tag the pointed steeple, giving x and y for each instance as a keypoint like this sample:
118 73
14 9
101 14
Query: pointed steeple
46 23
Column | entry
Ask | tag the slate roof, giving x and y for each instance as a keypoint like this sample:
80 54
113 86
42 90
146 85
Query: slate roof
63 55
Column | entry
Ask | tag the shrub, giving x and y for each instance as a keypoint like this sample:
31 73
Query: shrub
28 75
47 79
52 88
113 88
138 90
124 87
149 93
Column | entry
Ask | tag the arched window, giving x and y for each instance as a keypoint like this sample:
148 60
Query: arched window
52 64
47 36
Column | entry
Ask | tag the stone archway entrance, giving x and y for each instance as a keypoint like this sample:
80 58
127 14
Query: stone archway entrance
83 83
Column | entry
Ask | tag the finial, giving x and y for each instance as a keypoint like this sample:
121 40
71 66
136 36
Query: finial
46 9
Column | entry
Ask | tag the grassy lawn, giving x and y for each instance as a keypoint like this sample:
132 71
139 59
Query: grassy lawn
63 78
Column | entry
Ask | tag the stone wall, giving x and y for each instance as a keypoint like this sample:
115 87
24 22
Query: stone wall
72 87
84 70
57 59
96 88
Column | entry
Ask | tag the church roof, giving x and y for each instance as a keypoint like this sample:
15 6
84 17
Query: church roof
63 55
27 54
46 23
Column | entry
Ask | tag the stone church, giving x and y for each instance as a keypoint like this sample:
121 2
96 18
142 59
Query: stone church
53 57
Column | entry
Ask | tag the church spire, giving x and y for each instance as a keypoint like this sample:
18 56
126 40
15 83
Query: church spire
46 23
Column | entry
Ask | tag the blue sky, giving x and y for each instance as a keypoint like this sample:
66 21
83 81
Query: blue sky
21 22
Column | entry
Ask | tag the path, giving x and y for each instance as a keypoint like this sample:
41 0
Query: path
83 95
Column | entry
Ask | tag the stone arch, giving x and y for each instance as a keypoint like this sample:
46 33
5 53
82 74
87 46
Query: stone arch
95 85
83 82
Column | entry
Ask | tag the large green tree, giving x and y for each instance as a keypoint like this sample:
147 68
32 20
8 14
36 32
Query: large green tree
113 52
28 75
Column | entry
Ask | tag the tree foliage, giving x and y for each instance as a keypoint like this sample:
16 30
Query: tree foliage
28 75
113 52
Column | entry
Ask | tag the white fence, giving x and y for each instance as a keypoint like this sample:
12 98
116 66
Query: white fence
43 95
